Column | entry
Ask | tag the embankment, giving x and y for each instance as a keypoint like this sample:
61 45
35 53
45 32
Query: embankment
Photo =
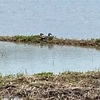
95 43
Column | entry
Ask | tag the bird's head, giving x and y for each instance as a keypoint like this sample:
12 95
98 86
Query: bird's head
41 34
49 34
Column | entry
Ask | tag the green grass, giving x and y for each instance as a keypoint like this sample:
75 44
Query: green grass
66 73
97 40
18 75
32 38
44 74
67 77
94 43
1 76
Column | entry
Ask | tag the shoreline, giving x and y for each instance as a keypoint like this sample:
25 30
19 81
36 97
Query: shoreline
36 39
48 86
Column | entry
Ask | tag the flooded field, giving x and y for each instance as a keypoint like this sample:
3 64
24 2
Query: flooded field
71 19
29 59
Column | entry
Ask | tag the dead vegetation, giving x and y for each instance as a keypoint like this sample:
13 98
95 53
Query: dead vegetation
47 86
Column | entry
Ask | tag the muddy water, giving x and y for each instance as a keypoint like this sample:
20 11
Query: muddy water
29 59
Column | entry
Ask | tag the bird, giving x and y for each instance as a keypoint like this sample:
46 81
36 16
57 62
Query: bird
42 37
50 37
49 34
46 38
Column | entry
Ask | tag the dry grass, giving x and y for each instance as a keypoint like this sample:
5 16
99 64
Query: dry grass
70 85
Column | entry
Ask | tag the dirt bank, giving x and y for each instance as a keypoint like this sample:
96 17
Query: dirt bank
94 43
47 86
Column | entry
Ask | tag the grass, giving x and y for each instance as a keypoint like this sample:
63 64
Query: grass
44 74
97 40
69 76
65 73
52 40
31 38
47 82
19 75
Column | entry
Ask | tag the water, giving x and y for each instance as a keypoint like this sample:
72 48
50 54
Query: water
63 18
15 98
29 59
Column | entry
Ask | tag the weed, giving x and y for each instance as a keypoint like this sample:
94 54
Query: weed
19 75
45 74
97 40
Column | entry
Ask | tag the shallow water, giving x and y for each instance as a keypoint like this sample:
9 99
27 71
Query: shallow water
63 18
14 98
29 59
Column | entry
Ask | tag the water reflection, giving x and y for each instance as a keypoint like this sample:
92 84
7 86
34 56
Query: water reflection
11 98
25 58
50 46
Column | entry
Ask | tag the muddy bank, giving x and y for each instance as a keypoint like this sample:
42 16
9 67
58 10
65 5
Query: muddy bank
47 86
95 43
